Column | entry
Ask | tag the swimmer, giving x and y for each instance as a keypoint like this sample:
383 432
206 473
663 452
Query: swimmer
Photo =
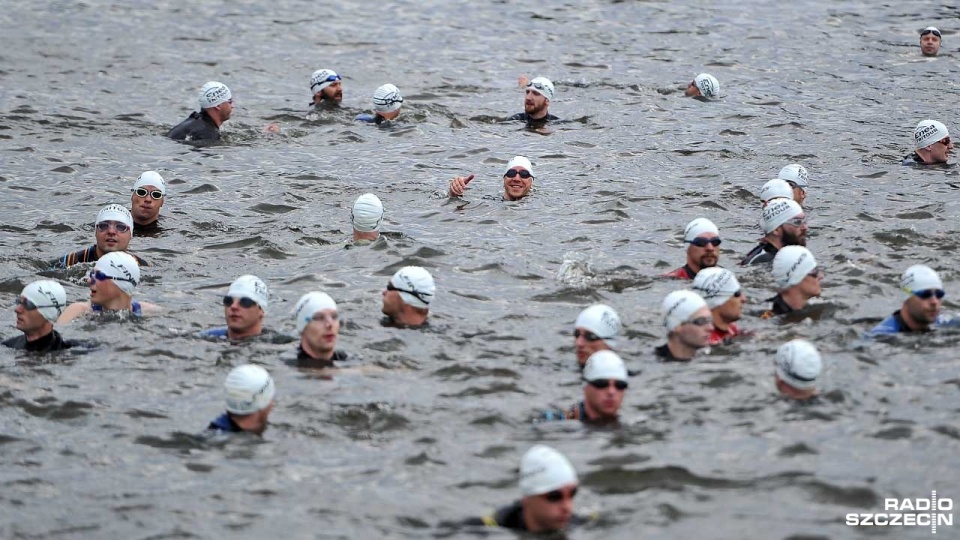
319 327
387 101
703 251
39 306
930 40
146 201
920 311
775 189
797 278
796 368
249 392
933 144
536 101
689 325
722 292
605 378
595 329
366 217
326 87
796 175
517 180
784 224
113 231
216 107
406 300
112 283
244 308
703 85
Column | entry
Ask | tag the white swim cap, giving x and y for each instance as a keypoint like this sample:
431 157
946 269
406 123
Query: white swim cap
798 364
775 189
48 296
777 212
931 29
415 285
929 132
151 178
605 365
697 227
919 277
791 264
367 213
520 161
542 86
214 93
308 306
708 85
387 98
251 287
115 212
679 306
248 389
601 320
543 470
795 173
121 266
322 78
715 285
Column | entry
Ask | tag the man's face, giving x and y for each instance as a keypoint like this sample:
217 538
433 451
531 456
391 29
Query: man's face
923 311
694 335
392 303
795 231
940 150
103 292
144 207
110 238
587 343
731 310
799 194
929 44
607 400
534 103
28 321
692 90
241 320
810 285
550 511
334 92
226 110
706 256
263 417
322 331
517 187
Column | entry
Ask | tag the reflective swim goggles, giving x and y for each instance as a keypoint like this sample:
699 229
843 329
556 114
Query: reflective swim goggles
589 336
926 31
702 242
558 495
245 302
926 294
513 173
539 86
329 79
603 384
699 321
419 295
156 194
28 305
945 141
104 226
797 221
97 275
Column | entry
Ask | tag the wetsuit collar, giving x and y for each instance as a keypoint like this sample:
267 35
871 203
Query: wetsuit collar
780 306
225 423
43 343
664 352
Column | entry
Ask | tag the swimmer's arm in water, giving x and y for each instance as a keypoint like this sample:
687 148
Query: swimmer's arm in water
74 311
523 81
147 308
458 185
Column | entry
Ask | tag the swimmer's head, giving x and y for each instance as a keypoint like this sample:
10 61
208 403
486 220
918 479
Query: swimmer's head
309 305
932 141
116 213
47 296
775 189
777 212
705 85
325 84
149 192
930 41
920 277
213 94
605 378
796 368
414 285
549 484
367 213
595 329
925 293
537 97
716 286
252 287
518 178
387 101
119 268
703 238
249 392
680 306
795 265
542 86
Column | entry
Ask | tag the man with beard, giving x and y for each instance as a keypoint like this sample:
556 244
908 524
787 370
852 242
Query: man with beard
784 224
517 180
721 290
216 107
920 311
536 101
112 231
244 308
319 327
797 278
326 87
605 378
932 142
39 306
703 251
249 392
406 300
146 201
930 41
595 329
689 325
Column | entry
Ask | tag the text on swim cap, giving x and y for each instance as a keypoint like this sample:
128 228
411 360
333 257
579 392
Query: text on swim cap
126 273
216 93
924 132
716 285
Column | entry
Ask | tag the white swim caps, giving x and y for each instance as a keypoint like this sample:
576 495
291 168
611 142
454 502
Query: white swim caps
214 93
115 212
798 364
308 306
795 173
122 267
542 86
387 98
602 321
48 296
679 306
919 277
775 189
151 178
520 161
697 227
367 213
251 287
248 389
605 365
708 85
543 470
777 212
415 285
929 132
791 264
322 78
715 285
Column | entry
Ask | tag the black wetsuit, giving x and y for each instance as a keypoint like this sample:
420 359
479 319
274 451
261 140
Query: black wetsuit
150 229
913 159
524 117
511 517
224 424
762 253
305 360
663 353
197 127
86 255
50 342
780 307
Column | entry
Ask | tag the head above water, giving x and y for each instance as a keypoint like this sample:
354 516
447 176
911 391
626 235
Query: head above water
932 141
48 297
925 293
367 213
930 41
703 239
122 269
148 195
704 85
518 178
796 367
595 329
387 101
325 84
791 265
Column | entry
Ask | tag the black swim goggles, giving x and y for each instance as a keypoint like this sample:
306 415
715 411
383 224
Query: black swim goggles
28 305
926 294
104 226
603 384
558 495
419 295
330 79
140 192
700 241
513 173
589 336
97 275
245 302
926 31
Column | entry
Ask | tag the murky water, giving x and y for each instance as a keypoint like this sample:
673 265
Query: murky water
98 446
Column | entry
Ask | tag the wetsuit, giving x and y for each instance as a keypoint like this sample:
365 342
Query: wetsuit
372 119
524 117
894 324
577 412
135 309
305 360
50 342
913 159
719 337
197 127
684 272
663 352
511 517
224 424
150 229
85 256
780 307
763 252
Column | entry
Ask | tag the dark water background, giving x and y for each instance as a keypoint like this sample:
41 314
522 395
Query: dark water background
93 446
